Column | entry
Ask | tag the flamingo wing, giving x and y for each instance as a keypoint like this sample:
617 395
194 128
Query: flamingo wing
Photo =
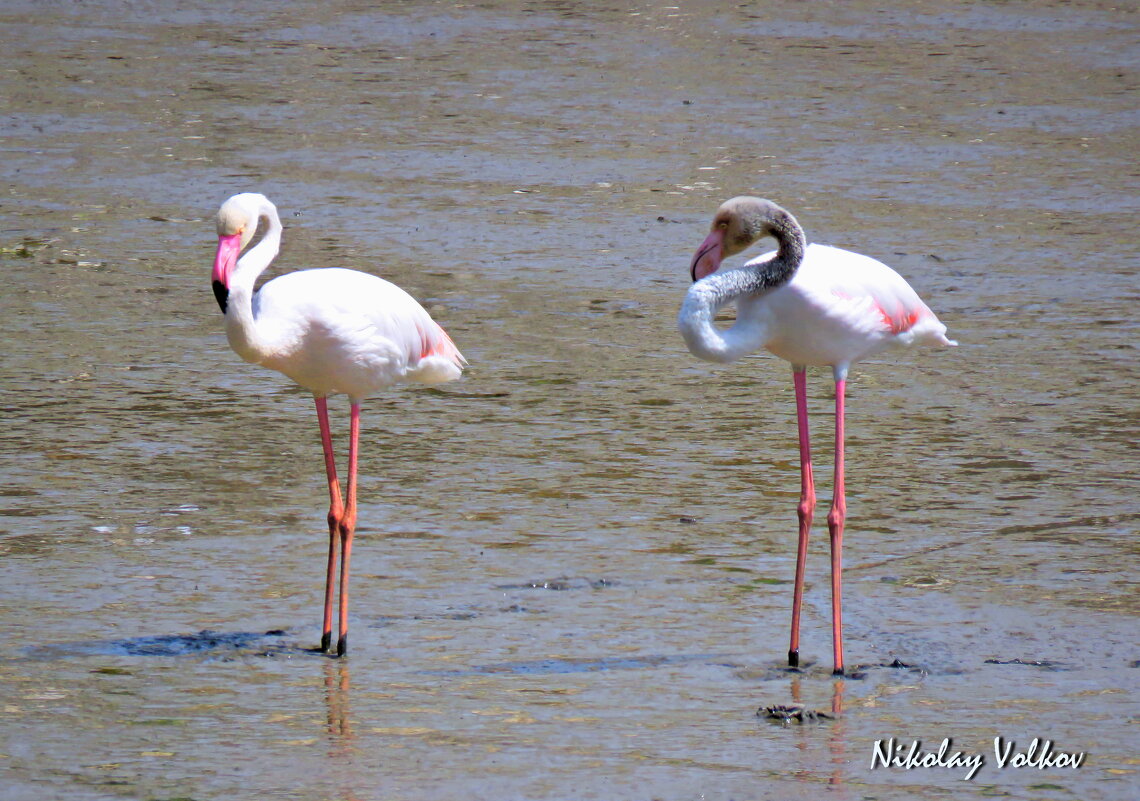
839 307
336 330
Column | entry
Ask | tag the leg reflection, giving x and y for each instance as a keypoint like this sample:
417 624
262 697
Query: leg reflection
342 749
837 741
337 704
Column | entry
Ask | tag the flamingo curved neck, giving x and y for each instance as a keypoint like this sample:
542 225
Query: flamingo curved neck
709 295
702 302
241 320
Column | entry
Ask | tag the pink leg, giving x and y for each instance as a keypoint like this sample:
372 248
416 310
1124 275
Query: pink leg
835 521
805 511
347 527
336 511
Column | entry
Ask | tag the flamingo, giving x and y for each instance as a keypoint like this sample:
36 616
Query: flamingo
811 305
331 331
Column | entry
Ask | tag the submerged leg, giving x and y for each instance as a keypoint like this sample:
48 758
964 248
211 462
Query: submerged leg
336 511
805 510
835 520
347 527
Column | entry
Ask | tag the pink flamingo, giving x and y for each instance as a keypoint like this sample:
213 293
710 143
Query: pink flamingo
331 331
810 305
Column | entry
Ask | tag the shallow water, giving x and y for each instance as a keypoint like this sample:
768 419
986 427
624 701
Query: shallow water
573 569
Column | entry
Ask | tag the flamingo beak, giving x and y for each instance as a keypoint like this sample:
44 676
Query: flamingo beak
229 246
709 255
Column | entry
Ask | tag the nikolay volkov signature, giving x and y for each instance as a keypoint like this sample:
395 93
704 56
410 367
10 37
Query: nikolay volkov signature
1040 754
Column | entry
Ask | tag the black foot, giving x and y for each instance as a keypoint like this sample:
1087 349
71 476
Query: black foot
793 659
838 672
342 646
326 641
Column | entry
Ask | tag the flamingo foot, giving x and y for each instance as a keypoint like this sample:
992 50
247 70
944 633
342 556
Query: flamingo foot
793 659
326 642
342 646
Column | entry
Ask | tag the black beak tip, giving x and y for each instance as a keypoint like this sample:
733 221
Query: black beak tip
221 294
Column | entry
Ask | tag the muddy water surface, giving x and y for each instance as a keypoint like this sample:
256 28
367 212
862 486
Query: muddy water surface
573 569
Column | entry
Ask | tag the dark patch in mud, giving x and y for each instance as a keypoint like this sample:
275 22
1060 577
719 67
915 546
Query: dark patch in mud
212 644
384 621
560 584
1039 663
787 714
818 670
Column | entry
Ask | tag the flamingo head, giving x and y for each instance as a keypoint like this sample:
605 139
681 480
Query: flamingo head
738 223
237 223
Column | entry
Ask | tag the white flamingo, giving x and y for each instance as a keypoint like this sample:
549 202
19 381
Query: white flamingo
810 305
332 331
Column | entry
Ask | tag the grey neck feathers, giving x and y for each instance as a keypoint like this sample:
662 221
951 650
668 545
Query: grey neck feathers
706 297
767 275
791 243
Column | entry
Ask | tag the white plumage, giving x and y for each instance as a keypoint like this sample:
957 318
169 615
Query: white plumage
342 331
839 307
330 330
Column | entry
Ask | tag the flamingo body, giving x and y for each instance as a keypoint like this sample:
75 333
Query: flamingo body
337 331
837 308
810 305
332 331
840 307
